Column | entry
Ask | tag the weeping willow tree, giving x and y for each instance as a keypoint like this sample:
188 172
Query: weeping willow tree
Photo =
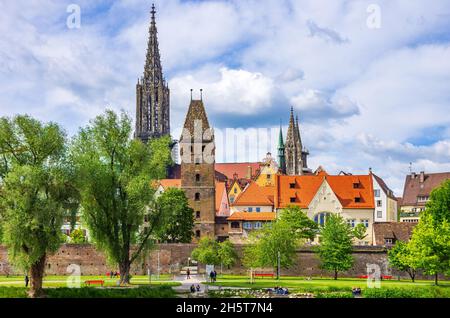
114 177
34 193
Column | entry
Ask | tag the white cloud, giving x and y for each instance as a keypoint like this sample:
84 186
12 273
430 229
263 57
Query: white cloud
235 91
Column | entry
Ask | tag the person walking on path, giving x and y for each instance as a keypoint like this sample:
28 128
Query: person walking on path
211 276
215 276
27 280
188 274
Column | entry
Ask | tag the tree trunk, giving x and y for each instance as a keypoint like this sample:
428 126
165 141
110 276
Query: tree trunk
125 272
37 275
335 274
436 279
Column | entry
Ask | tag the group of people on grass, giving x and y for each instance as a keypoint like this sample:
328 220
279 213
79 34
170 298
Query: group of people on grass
114 274
195 289
278 291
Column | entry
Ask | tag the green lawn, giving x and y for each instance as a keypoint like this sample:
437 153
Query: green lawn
319 285
162 291
61 281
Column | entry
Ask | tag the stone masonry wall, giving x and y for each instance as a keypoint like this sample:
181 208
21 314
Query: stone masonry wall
171 257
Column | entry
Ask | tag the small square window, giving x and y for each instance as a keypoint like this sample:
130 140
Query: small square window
293 200
258 209
358 200
250 209
379 214
292 185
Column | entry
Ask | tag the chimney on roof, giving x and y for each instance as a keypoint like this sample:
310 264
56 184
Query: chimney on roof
249 172
413 175
235 176
422 176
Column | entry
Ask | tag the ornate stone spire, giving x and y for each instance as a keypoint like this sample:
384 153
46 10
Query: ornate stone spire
295 157
152 92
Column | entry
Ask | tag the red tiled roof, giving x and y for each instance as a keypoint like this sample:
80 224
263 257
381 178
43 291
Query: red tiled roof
307 186
252 216
305 189
397 231
170 183
343 188
241 169
220 188
253 194
415 188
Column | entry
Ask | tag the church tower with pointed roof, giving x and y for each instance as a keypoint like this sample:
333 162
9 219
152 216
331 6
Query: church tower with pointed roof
295 155
197 150
152 93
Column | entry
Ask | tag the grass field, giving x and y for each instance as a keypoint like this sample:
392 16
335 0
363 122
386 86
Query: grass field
61 281
162 291
389 288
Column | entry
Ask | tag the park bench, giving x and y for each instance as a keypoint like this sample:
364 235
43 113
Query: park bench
363 276
263 275
387 277
95 282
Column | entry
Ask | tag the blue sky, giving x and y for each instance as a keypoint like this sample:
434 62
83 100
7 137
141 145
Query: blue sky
366 97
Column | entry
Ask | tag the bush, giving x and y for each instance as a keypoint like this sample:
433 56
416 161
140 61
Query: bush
13 292
88 292
422 292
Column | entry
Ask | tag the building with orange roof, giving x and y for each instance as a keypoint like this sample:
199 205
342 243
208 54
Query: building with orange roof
318 195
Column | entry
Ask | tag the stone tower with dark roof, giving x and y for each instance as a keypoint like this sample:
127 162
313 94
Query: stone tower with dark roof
197 150
152 93
295 155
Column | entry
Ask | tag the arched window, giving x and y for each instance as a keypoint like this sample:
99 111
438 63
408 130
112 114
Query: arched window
321 218
197 196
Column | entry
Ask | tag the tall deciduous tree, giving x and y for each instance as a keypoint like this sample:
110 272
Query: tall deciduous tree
401 256
301 225
335 249
431 237
34 192
211 252
178 223
115 173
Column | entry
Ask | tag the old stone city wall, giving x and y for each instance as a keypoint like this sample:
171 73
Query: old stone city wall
170 258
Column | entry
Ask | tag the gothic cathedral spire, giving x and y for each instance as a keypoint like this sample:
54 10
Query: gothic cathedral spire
295 155
152 93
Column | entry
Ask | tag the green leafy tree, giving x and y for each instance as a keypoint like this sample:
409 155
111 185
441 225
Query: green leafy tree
178 223
211 252
77 237
360 231
401 256
335 249
301 225
34 192
273 244
431 237
207 251
430 243
114 174
276 243
227 254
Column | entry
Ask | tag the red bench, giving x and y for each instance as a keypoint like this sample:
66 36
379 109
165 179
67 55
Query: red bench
264 275
95 282
387 277
363 276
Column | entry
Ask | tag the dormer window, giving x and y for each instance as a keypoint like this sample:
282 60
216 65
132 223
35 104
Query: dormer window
292 185
357 200
293 200
356 185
